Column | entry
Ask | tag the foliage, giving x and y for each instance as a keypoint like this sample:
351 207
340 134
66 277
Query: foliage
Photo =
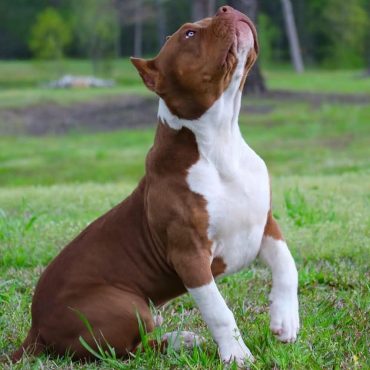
332 33
268 34
16 20
96 27
50 35
346 25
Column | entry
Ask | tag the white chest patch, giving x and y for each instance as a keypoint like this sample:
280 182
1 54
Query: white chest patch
237 204
229 175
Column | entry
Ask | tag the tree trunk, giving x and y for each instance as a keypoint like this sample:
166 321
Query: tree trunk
211 7
117 46
138 31
291 30
255 81
202 8
161 22
367 46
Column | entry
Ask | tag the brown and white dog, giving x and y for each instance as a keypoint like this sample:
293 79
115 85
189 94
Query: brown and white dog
203 209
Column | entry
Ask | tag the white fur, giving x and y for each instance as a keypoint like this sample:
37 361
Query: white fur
283 297
221 323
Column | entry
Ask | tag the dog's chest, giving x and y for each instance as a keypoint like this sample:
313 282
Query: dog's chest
236 188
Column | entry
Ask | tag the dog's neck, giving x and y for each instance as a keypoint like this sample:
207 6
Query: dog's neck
217 131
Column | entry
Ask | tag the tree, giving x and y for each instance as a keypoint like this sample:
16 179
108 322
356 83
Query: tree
134 18
161 22
138 35
50 35
291 30
202 9
367 43
255 83
16 20
268 36
347 25
96 27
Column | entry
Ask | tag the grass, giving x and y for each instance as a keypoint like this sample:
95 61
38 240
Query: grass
21 81
318 156
313 80
28 74
293 139
327 225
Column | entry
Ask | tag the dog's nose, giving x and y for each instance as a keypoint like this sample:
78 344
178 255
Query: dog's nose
225 9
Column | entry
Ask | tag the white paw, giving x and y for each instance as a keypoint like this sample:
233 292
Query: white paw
178 339
237 351
284 317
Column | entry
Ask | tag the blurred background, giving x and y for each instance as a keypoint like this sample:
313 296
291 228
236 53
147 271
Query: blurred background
66 78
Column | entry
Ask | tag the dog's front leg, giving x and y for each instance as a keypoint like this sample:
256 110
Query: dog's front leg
197 277
221 323
283 297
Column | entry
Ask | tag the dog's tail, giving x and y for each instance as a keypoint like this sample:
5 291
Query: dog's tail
32 346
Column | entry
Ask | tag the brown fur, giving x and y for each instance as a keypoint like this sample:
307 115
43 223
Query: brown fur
272 228
203 65
154 243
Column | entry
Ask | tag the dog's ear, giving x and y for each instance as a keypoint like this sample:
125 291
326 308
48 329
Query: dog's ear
251 59
253 53
148 72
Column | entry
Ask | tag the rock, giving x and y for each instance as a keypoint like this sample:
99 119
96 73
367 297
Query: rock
69 81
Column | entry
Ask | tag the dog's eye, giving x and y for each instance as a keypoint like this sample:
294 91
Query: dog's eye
189 33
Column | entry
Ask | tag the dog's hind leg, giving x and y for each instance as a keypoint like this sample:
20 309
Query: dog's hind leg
32 346
115 318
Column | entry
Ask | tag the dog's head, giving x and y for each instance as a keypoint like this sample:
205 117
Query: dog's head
198 62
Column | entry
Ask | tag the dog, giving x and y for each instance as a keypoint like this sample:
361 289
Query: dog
202 210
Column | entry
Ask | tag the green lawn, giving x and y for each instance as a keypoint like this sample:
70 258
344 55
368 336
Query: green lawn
324 81
319 159
326 221
294 139
21 81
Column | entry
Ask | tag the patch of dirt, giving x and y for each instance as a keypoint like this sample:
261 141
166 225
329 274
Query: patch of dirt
101 115
130 112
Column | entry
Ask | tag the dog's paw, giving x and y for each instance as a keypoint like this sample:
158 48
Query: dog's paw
178 339
237 351
284 318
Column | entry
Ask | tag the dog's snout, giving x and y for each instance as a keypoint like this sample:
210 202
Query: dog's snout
224 9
